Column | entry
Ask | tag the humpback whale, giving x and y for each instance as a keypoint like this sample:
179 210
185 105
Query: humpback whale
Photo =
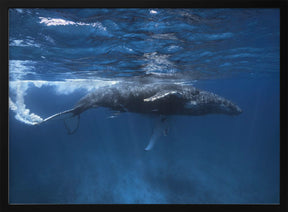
162 99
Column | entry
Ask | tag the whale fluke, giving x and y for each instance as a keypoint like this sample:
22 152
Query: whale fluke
72 124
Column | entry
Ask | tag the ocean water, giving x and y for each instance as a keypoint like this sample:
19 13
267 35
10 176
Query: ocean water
56 56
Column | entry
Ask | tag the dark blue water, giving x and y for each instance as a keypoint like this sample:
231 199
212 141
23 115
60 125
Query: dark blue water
58 55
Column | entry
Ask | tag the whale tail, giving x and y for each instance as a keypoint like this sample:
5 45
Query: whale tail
71 120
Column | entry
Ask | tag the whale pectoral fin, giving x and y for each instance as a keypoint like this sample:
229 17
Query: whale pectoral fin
158 131
72 124
162 94
152 141
114 114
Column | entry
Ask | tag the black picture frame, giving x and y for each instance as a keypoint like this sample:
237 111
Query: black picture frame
6 4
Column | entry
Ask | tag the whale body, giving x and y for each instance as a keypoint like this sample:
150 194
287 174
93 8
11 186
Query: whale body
162 99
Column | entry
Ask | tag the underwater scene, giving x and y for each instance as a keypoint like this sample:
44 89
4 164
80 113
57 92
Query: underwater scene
144 106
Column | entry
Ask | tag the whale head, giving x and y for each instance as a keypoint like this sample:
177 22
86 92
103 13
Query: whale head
204 102
229 108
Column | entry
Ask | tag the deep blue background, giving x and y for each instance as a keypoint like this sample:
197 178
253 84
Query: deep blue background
206 159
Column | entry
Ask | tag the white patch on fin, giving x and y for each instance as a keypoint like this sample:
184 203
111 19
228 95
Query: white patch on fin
114 115
158 130
161 95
